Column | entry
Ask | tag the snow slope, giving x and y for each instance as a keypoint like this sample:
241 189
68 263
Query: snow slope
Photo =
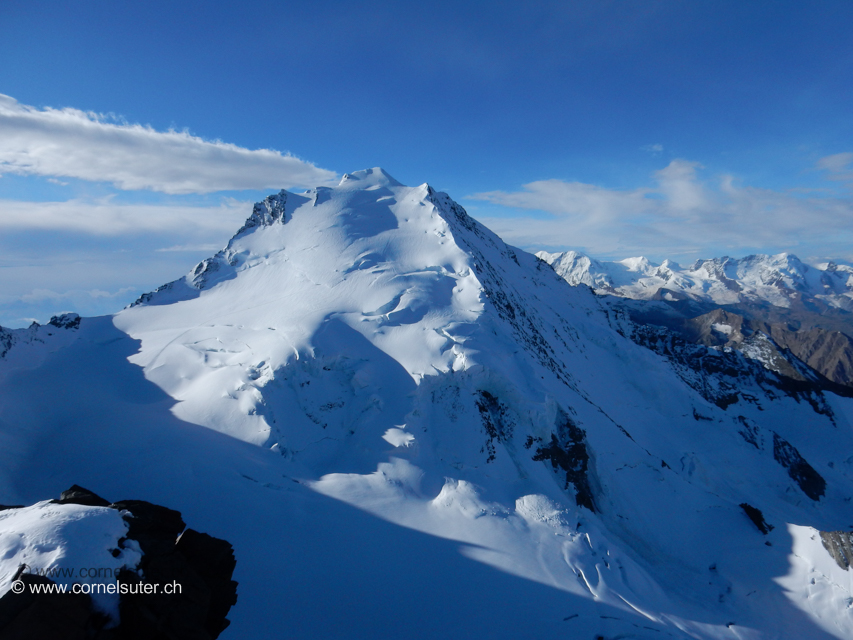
778 280
407 428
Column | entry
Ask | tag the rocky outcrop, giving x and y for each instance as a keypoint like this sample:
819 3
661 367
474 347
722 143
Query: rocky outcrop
7 339
171 554
800 471
754 514
36 333
716 328
830 353
65 321
269 211
496 422
839 544
568 454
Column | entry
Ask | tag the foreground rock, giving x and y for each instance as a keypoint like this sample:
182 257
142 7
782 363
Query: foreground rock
179 587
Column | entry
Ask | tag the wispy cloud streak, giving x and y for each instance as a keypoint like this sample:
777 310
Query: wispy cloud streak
70 143
105 218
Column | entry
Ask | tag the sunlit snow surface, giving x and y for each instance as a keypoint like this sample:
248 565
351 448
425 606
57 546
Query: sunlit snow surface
355 392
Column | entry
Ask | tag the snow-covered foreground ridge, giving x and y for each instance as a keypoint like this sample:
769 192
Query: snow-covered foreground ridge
778 280
522 461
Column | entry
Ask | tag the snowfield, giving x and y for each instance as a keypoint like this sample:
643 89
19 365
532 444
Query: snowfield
409 429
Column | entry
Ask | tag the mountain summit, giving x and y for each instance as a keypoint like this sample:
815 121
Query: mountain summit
392 415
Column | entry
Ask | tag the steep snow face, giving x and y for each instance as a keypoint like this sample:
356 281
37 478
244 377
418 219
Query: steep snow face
373 344
779 280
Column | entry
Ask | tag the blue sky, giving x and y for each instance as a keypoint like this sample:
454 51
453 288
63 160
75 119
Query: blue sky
134 136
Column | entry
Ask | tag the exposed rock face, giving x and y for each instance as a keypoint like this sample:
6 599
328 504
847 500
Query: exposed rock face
716 328
6 341
800 471
269 211
65 321
830 353
840 546
78 495
201 564
567 453
495 423
757 518
794 345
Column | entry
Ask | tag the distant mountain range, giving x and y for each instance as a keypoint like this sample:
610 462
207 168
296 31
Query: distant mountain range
733 303
781 280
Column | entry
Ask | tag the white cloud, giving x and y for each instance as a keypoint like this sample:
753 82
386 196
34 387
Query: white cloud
108 219
838 166
678 215
584 202
654 149
678 185
76 144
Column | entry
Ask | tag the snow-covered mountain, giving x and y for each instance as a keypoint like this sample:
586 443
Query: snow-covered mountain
780 280
407 428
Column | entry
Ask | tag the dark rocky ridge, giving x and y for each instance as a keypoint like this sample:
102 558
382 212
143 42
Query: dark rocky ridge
817 335
36 332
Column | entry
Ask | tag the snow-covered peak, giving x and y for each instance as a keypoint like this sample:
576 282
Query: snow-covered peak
403 269
638 264
366 178
577 268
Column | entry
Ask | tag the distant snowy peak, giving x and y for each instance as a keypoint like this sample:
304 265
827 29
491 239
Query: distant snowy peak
780 279
377 176
577 268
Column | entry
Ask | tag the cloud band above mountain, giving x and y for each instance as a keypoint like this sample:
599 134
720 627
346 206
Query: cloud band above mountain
678 215
77 144
107 218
